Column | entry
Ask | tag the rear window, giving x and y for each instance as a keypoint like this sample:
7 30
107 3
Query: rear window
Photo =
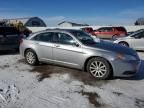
121 29
8 31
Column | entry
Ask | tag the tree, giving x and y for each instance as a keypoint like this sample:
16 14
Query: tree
140 21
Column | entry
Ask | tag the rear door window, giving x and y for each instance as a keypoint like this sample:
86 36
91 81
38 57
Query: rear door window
43 37
101 29
106 29
109 29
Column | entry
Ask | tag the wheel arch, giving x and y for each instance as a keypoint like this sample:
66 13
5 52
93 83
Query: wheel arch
36 60
29 49
124 42
86 62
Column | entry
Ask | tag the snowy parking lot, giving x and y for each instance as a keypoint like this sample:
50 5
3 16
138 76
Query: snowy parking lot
48 86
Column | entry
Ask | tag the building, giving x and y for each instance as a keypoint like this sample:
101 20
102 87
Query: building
70 24
29 22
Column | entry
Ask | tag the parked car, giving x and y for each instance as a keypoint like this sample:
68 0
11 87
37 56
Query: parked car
110 32
77 49
129 33
134 40
9 38
88 29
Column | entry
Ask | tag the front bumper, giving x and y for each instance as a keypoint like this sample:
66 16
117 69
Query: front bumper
125 68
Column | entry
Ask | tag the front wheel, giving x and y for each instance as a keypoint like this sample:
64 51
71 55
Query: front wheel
124 44
31 57
99 68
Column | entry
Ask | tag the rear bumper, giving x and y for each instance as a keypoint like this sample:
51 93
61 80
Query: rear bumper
125 68
8 47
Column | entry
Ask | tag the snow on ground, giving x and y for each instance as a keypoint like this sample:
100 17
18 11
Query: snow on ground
23 86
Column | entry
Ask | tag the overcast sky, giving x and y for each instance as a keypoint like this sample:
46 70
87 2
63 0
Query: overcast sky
93 12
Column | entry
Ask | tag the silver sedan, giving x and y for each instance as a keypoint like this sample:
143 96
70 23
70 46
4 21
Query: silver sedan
77 49
134 40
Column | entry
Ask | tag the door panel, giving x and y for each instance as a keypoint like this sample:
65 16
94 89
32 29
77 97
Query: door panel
105 32
138 41
138 44
45 50
44 45
66 52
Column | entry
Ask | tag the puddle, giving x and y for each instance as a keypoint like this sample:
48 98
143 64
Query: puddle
92 97
45 71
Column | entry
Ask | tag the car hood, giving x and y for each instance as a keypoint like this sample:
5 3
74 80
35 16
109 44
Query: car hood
113 47
123 37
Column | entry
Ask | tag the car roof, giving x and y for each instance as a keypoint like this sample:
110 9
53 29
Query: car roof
59 30
113 27
54 30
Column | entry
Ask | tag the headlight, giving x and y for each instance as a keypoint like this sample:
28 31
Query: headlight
125 57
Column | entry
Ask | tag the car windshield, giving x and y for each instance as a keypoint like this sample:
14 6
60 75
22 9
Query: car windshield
136 32
83 37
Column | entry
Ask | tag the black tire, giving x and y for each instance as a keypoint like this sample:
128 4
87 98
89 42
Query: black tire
124 44
107 73
31 57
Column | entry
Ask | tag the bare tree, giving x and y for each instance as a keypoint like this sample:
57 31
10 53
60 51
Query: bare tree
140 21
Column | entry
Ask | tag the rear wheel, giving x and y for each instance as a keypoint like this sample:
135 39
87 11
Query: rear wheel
31 57
99 68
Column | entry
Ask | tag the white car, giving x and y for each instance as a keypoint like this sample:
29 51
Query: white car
134 40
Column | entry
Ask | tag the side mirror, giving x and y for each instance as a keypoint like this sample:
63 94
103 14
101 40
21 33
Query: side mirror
74 43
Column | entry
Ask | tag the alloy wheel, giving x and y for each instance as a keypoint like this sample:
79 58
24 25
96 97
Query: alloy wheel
30 57
98 69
